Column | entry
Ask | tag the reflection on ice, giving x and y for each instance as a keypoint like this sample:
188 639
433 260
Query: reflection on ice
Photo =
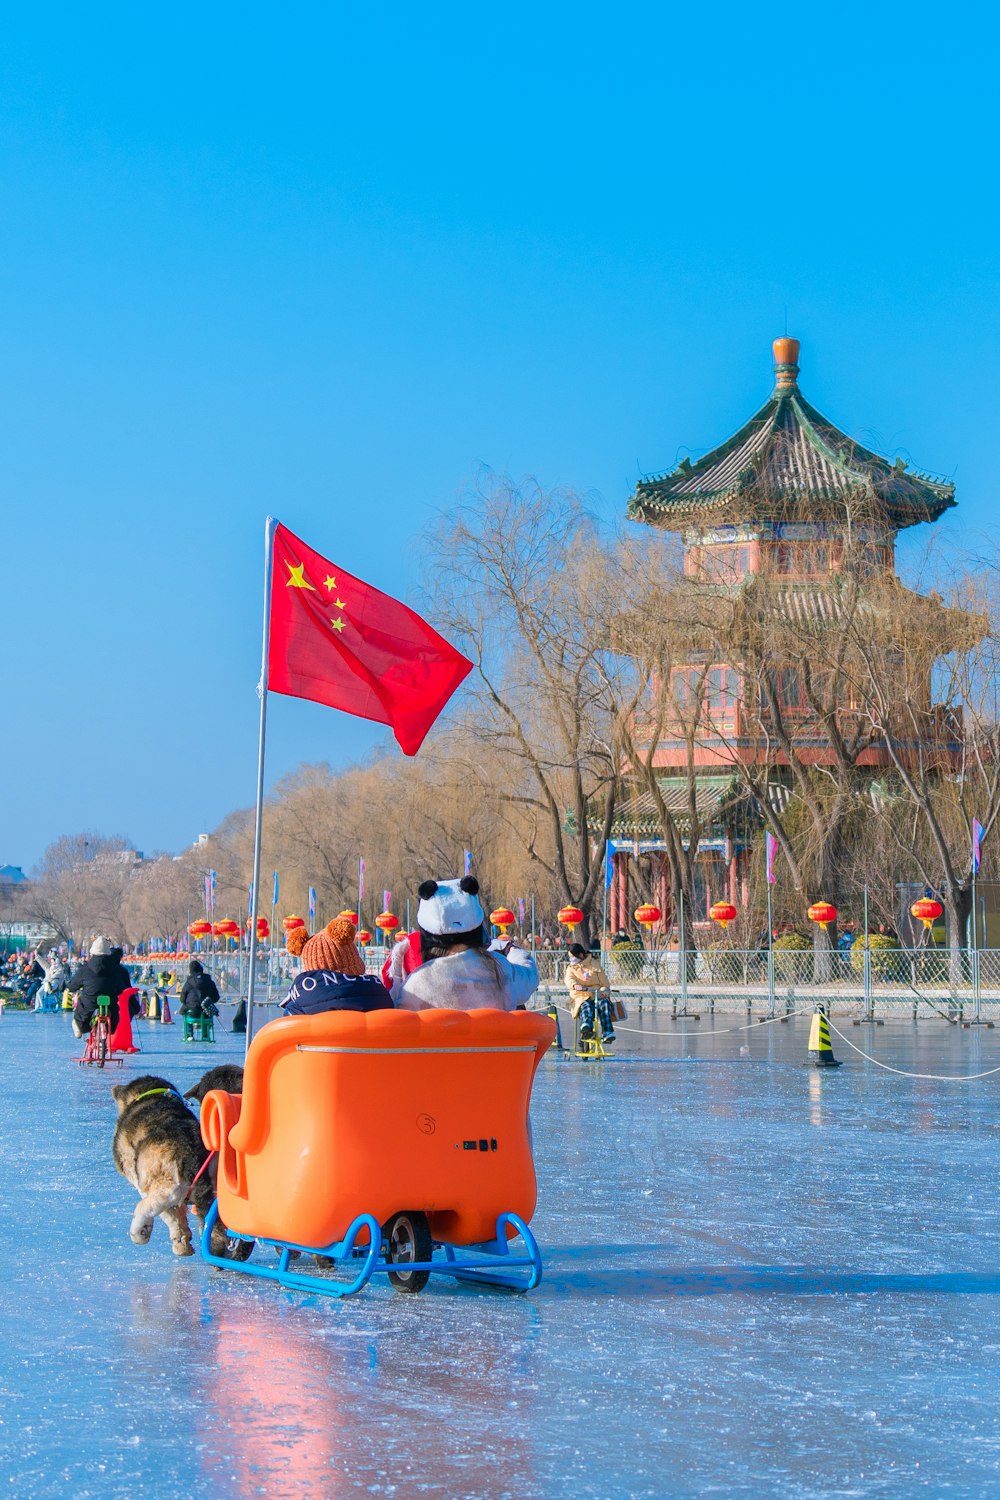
760 1280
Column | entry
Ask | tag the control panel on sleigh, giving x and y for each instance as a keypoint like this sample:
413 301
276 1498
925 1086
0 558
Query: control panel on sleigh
345 1113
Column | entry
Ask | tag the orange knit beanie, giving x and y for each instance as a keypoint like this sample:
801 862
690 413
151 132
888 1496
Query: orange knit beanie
332 948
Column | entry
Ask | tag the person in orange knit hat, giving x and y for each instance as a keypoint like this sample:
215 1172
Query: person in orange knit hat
333 973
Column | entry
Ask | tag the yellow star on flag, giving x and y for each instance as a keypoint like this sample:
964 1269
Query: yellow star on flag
298 579
337 624
339 604
330 583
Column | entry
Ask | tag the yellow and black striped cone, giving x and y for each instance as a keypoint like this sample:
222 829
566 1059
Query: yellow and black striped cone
820 1050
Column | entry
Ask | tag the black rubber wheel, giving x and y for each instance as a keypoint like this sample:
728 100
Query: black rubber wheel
407 1237
237 1249
102 1047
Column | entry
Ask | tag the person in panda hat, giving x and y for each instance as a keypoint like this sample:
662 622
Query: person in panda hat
459 971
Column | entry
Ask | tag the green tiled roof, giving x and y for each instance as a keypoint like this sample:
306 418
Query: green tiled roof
791 457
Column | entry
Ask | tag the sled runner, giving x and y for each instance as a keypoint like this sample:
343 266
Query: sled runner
392 1142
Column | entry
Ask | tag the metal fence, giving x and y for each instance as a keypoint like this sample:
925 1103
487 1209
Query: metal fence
961 985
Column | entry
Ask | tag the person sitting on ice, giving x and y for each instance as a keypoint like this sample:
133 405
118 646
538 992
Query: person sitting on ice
200 995
588 986
333 973
459 971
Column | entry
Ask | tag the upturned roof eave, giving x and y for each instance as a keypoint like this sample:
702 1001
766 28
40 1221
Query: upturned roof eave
658 497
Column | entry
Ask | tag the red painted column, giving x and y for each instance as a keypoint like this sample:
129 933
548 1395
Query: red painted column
734 878
619 893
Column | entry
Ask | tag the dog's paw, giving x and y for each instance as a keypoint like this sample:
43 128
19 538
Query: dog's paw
182 1247
141 1236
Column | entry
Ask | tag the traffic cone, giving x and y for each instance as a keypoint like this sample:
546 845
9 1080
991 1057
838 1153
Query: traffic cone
153 1009
166 1019
820 1050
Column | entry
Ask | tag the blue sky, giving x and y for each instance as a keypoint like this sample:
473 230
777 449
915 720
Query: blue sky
326 263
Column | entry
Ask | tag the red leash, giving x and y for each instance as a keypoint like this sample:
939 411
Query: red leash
194 1179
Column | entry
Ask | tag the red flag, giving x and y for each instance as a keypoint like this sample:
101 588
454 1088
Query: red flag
338 641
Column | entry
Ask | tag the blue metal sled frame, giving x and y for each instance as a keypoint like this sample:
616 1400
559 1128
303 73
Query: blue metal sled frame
489 1264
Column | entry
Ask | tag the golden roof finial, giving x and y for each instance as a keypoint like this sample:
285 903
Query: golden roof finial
786 363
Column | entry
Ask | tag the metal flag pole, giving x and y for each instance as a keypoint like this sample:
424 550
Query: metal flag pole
977 993
771 998
269 529
869 1005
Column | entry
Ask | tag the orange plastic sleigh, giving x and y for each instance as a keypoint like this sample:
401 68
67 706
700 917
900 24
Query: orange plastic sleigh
379 1139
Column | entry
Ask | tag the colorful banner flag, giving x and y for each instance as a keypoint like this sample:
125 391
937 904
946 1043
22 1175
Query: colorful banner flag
978 833
520 910
312 903
208 896
250 898
386 900
361 880
771 845
274 893
609 866
338 641
467 862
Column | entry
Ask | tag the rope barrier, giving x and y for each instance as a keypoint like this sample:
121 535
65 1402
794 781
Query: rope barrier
903 1072
728 1030
769 1020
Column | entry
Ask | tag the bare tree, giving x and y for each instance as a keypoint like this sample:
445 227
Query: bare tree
509 585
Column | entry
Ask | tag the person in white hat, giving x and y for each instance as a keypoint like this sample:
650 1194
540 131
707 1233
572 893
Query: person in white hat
459 971
102 974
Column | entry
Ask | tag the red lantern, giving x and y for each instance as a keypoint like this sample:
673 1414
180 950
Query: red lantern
722 912
401 936
822 913
364 937
926 910
647 915
200 929
263 928
569 916
292 924
503 918
386 922
351 916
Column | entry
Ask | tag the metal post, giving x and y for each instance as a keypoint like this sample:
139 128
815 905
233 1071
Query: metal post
269 529
532 921
682 953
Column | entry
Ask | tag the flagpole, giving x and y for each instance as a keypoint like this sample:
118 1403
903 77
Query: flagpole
269 529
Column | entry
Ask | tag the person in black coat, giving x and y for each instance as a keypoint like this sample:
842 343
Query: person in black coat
102 974
199 997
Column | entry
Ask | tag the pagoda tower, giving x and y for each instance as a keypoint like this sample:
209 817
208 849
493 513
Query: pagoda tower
786 505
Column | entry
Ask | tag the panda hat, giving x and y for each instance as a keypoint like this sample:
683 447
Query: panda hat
450 907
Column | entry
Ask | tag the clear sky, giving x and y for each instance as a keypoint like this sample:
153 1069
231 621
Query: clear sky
324 261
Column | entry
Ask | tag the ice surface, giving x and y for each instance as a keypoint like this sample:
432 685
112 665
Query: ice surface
760 1280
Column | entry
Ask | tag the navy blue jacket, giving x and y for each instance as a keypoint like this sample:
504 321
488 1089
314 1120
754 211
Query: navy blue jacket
315 990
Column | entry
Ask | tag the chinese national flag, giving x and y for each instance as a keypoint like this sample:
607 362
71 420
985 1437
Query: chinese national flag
338 641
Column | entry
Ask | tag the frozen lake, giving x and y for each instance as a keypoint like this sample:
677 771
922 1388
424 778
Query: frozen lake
760 1280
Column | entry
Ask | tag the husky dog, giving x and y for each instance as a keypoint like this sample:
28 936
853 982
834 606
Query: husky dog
227 1076
158 1149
